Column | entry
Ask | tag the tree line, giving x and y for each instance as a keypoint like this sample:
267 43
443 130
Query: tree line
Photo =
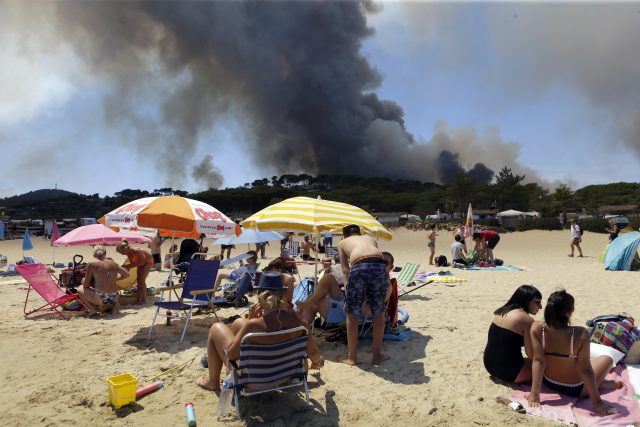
507 191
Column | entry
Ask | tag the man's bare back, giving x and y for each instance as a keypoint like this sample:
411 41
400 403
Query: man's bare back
355 247
105 273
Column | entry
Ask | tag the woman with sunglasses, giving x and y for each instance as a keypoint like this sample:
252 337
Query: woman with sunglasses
509 332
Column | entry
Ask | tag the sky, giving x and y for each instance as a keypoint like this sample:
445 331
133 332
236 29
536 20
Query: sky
548 89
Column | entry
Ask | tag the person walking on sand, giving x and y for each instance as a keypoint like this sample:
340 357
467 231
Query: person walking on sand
576 237
363 268
431 242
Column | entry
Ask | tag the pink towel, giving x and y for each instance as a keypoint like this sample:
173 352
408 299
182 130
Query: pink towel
570 410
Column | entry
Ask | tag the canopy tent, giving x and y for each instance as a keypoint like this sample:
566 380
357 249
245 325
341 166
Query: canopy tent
622 251
509 212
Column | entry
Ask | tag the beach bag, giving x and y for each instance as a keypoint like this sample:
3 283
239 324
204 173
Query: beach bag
441 261
619 334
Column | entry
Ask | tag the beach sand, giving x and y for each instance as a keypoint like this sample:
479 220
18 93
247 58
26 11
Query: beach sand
53 371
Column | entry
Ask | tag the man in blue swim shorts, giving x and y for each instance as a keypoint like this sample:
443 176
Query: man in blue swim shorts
364 267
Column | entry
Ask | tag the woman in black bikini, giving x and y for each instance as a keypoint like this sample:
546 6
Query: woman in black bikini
509 332
561 356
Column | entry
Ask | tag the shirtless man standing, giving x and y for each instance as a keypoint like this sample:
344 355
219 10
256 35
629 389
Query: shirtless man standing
106 273
306 247
364 270
155 246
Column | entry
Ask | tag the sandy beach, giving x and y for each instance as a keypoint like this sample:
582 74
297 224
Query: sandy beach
53 371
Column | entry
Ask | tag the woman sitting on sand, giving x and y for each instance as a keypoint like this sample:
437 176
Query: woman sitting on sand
141 259
561 356
267 315
105 273
509 332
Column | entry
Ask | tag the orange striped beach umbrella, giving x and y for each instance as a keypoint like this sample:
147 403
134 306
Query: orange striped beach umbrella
173 216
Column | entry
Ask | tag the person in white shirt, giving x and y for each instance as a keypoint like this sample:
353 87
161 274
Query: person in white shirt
576 237
457 251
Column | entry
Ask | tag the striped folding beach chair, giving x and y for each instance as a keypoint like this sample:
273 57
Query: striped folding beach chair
294 248
406 275
263 368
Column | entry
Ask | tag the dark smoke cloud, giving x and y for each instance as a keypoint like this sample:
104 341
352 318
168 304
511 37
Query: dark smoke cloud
206 172
481 173
449 166
292 73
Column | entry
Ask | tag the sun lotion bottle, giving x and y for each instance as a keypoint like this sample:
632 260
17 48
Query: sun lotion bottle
191 414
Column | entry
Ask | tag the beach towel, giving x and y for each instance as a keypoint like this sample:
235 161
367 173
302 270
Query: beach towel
579 411
440 277
446 279
497 267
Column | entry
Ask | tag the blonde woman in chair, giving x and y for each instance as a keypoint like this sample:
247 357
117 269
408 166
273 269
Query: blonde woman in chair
268 315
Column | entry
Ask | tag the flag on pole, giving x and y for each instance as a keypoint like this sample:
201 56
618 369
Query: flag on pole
26 241
468 227
55 233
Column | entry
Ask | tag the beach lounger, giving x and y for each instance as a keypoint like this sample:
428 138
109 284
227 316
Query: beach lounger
46 285
406 276
264 368
197 292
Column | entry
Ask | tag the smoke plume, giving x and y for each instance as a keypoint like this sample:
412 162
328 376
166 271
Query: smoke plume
291 73
206 172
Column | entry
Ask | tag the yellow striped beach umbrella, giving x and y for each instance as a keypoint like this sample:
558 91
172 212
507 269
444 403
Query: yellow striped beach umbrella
313 216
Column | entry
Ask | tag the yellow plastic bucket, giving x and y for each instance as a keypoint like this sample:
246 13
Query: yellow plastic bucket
122 390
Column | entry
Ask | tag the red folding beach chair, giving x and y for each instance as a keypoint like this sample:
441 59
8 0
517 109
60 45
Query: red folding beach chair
45 284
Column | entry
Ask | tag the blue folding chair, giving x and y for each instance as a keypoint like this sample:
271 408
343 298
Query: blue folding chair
264 368
303 290
197 291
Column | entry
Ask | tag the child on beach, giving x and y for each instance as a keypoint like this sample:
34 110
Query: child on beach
460 230
431 242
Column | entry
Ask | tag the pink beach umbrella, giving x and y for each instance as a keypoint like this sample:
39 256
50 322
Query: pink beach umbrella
468 227
97 234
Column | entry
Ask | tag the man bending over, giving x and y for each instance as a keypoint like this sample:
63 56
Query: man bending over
363 268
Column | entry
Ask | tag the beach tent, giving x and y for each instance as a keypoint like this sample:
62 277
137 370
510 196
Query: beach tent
622 251
509 213
509 218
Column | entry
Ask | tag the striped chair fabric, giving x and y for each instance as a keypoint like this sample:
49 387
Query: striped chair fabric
270 367
406 275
